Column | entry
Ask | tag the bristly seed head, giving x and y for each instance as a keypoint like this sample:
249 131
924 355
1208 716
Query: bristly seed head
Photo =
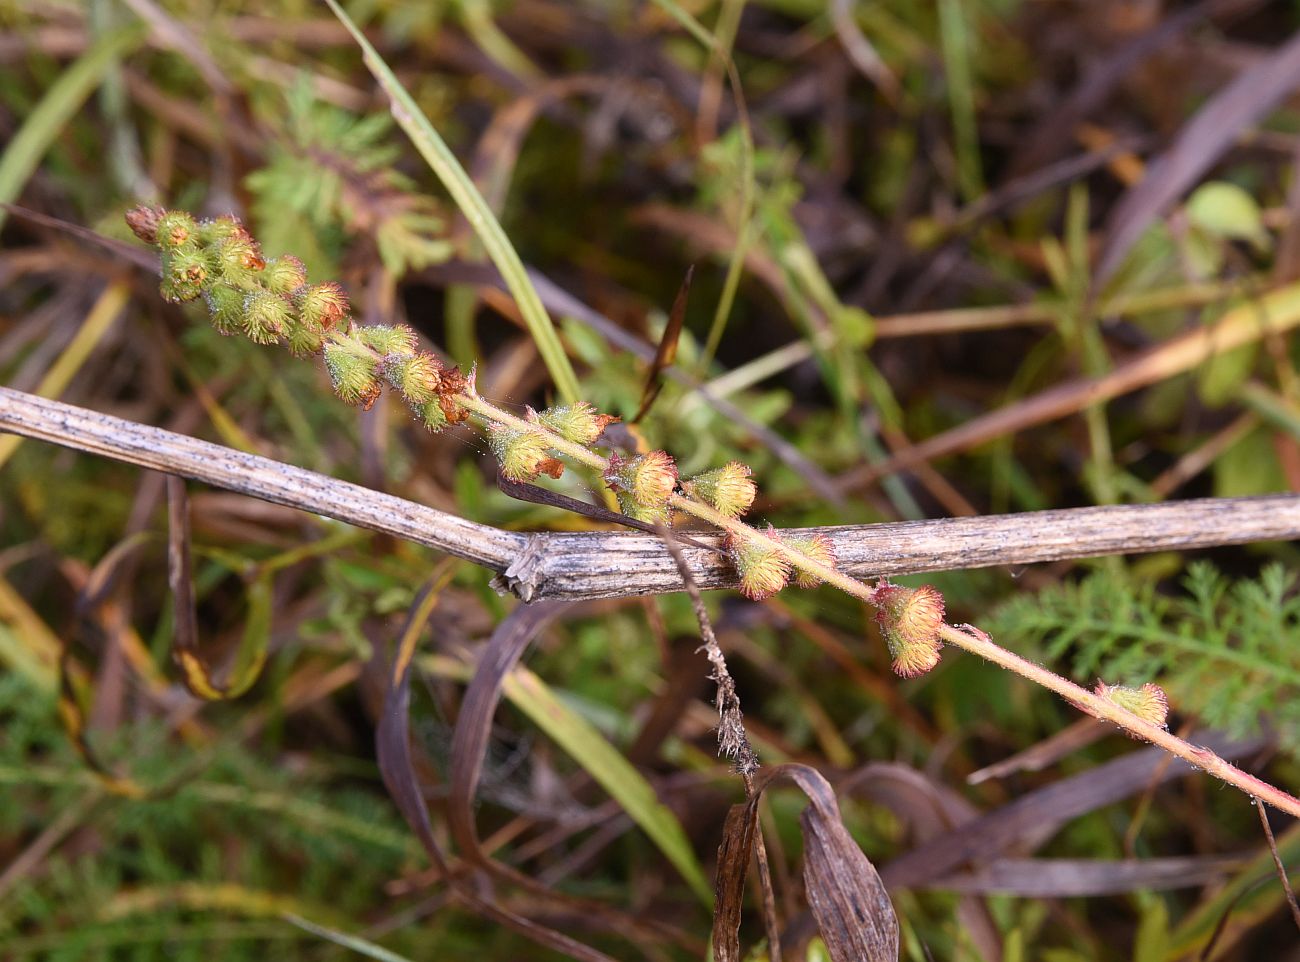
728 489
185 274
1148 702
910 619
322 304
576 422
225 308
523 455
648 479
763 571
820 549
417 376
266 317
285 274
174 230
353 373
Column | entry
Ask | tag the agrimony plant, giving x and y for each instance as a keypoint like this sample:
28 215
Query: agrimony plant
219 261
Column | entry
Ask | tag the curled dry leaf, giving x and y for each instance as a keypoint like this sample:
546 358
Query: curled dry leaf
844 891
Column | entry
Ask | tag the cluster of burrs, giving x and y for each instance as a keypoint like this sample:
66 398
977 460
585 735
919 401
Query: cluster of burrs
269 301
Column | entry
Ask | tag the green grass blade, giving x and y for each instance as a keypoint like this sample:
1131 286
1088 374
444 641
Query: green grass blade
955 36
353 942
61 101
611 770
720 47
466 196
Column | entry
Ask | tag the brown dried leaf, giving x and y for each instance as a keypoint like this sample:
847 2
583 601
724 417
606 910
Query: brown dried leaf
844 891
667 350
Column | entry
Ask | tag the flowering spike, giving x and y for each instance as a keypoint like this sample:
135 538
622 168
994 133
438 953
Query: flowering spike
727 489
322 304
819 549
185 274
648 479
910 619
398 339
763 571
354 373
266 317
576 422
417 376
1148 702
523 455
285 274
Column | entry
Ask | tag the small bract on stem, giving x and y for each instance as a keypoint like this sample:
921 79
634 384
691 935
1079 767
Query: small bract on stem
271 302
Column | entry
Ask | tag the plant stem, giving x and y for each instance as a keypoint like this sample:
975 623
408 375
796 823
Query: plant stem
978 642
966 637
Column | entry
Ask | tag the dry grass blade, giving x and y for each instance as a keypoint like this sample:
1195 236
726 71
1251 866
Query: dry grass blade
666 353
1080 878
250 658
130 253
1275 313
1277 862
614 564
474 724
1033 818
1211 132
95 593
393 751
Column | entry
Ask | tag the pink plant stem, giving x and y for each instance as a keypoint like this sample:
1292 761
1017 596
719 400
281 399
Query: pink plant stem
967 637
979 643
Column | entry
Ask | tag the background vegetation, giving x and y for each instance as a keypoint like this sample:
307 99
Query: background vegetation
924 212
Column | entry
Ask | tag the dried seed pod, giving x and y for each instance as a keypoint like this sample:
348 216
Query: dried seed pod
910 619
143 220
1148 702
454 386
648 479
322 305
728 489
578 422
763 571
819 549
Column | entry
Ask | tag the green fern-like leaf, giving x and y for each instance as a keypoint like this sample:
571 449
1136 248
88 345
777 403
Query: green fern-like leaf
1227 652
332 173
